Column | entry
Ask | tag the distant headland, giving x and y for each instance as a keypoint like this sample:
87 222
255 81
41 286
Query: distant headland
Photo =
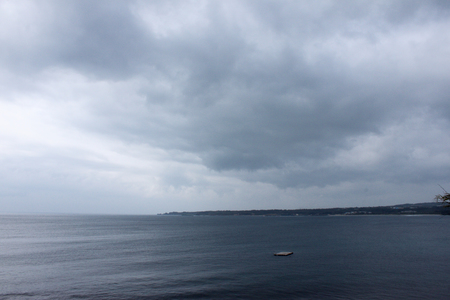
429 208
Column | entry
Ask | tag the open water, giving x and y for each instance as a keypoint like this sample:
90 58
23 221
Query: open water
163 257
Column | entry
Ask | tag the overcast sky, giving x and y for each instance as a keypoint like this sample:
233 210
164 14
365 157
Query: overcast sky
143 107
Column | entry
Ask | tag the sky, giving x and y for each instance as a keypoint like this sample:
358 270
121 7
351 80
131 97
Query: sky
145 107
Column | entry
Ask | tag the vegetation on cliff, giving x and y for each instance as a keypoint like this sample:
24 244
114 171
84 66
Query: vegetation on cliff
443 198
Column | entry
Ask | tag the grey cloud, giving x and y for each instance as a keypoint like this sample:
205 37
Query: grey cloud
100 38
250 114
262 91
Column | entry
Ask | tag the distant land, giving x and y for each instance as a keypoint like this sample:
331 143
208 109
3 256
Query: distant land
429 208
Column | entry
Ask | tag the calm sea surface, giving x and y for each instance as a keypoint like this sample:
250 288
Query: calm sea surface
162 257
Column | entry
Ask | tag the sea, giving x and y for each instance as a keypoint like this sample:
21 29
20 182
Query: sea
224 257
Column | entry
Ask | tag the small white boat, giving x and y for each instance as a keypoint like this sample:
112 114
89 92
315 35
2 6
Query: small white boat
283 253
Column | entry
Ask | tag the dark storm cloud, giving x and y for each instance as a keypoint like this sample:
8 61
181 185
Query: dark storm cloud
249 108
98 37
265 89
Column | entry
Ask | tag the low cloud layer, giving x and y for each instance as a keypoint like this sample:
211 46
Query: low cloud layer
146 107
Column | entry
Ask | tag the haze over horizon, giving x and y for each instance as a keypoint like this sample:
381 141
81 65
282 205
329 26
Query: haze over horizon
143 107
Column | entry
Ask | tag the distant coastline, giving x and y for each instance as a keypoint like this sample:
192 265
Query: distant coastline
428 208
